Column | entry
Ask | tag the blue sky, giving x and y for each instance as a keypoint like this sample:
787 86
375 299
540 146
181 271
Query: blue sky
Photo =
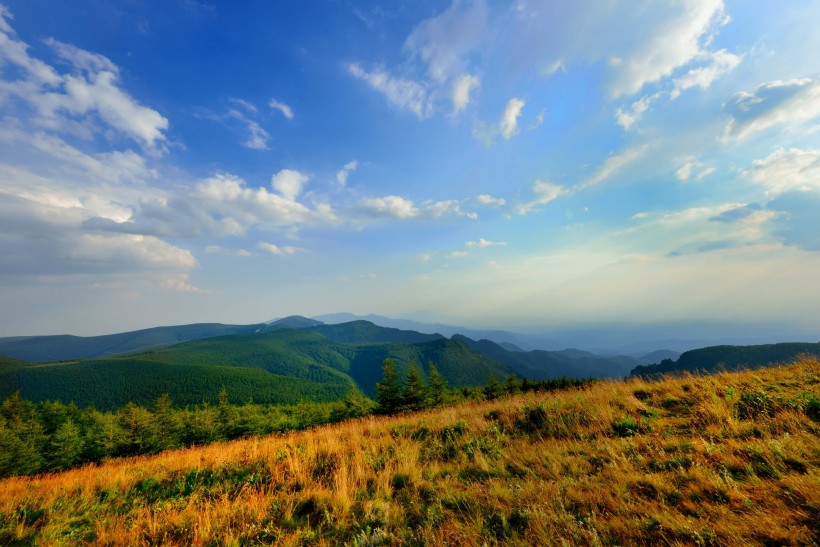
494 164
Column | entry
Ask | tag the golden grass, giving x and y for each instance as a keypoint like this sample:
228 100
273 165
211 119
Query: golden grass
680 462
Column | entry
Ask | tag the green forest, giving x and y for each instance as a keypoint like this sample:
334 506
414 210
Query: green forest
54 436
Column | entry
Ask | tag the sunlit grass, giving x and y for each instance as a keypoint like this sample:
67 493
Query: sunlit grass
726 459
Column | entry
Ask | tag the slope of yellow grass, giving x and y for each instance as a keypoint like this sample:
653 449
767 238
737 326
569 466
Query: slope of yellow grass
731 459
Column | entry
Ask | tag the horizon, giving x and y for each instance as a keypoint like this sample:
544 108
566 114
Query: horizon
478 164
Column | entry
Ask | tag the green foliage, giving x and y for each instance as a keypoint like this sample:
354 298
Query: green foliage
436 387
389 390
413 396
717 358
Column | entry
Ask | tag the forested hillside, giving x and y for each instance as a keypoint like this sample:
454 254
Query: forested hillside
718 358
729 459
282 366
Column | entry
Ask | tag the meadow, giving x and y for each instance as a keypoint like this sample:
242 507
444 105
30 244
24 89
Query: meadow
727 459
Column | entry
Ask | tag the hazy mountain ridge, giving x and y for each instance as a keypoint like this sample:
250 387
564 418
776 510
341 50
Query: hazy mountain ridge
719 358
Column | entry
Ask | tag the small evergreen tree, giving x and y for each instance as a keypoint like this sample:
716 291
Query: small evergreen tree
511 385
493 389
414 390
357 405
66 446
436 387
389 390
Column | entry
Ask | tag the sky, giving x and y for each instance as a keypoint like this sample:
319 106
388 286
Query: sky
522 165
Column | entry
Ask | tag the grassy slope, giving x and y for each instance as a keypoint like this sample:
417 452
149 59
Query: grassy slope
731 459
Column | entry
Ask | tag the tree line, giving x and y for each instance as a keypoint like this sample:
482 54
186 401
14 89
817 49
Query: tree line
53 436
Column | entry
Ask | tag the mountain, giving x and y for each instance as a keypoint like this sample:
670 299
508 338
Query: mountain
539 364
278 367
498 336
658 356
293 322
61 347
365 332
718 358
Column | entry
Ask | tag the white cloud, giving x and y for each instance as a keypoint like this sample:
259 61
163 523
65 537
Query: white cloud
389 207
538 121
722 62
400 92
787 170
276 249
216 249
443 41
483 243
544 193
509 120
641 43
462 88
426 257
485 199
180 283
76 103
458 254
790 103
627 118
344 172
289 183
437 209
688 168
613 164
281 107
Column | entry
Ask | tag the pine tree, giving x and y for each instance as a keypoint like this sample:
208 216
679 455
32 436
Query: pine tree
436 387
414 390
493 389
389 390
66 446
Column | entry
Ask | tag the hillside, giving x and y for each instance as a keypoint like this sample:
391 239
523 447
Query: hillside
717 358
62 347
282 366
539 364
729 459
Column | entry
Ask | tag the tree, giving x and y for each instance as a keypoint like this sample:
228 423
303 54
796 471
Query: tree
66 446
356 404
436 387
493 389
389 390
412 398
511 385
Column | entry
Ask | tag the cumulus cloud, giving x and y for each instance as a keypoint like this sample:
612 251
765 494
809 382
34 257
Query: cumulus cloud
344 172
86 101
281 107
289 183
789 170
180 283
276 249
485 199
509 120
462 88
789 103
399 92
389 207
543 192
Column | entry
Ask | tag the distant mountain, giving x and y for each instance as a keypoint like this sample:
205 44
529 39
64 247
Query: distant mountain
658 356
498 336
539 364
293 322
61 347
718 358
280 366
365 332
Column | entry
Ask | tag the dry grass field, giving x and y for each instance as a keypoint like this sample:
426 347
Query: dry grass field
729 459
